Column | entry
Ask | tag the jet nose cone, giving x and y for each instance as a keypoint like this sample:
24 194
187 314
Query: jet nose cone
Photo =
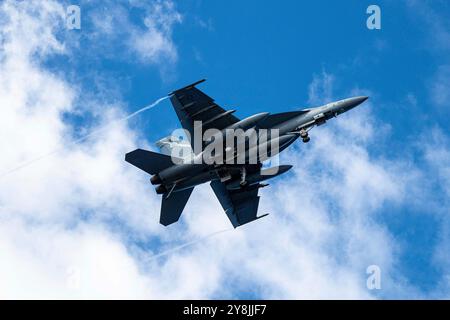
348 104
355 101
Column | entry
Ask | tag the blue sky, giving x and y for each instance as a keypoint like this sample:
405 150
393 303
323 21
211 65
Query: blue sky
257 56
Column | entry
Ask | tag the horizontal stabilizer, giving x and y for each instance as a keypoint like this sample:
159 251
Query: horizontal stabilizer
172 206
150 162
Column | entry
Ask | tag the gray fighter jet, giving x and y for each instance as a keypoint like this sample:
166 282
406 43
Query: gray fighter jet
235 183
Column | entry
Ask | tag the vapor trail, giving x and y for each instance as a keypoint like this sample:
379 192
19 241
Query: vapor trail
188 244
104 128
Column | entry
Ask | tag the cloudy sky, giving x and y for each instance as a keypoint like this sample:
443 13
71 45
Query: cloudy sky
371 188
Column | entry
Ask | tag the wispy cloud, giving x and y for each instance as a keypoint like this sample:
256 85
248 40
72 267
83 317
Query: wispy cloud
440 88
437 40
438 33
146 37
320 90
44 205
155 43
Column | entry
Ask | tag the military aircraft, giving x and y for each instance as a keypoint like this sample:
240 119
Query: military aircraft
235 184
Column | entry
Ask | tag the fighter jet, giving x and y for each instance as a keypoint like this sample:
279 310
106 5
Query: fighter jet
236 184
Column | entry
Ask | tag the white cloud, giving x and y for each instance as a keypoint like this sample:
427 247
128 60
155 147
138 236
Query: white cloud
440 87
436 26
50 262
437 32
43 205
435 146
320 89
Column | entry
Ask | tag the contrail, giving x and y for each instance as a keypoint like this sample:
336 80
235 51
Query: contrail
106 127
188 244
128 117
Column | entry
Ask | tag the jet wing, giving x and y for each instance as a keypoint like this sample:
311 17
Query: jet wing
241 206
191 105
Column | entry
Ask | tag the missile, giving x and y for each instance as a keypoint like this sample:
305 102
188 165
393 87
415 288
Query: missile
257 177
